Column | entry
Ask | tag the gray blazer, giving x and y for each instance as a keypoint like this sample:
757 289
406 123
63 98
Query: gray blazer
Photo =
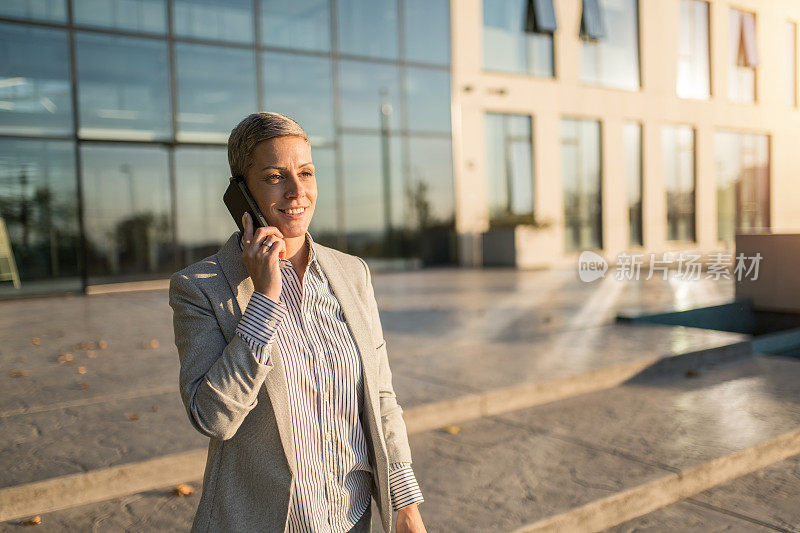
244 406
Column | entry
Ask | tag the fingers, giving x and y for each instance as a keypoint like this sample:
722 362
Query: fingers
248 228
252 244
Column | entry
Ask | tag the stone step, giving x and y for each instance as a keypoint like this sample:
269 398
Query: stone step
581 464
92 429
595 461
765 500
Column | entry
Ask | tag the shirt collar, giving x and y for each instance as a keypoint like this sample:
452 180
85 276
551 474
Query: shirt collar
312 259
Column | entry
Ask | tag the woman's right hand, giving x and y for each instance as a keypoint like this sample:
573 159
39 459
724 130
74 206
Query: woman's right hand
262 261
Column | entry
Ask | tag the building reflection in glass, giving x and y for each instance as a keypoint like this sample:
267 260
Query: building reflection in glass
742 165
39 207
613 60
581 175
677 147
127 211
34 81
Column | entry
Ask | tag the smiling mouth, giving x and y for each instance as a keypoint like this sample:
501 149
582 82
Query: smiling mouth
294 211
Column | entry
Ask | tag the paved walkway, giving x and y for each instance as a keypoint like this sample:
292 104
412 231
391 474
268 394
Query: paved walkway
467 337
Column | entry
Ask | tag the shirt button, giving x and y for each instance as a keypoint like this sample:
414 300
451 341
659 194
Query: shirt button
327 436
272 323
330 476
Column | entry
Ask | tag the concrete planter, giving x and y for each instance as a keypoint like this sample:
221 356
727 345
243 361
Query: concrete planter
521 246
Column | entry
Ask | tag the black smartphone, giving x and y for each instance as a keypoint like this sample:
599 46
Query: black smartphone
239 200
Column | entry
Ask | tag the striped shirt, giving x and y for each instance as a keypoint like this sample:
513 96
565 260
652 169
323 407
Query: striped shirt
326 395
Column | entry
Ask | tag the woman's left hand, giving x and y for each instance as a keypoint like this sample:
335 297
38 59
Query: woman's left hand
409 520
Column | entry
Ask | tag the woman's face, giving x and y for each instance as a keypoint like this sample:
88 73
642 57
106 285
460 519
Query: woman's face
281 178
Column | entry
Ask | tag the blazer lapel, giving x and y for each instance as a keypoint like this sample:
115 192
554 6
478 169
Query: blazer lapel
359 322
230 261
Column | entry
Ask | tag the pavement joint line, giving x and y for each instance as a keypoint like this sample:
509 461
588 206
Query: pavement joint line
643 499
740 516
82 402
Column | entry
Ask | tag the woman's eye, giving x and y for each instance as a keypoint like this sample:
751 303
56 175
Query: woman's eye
308 174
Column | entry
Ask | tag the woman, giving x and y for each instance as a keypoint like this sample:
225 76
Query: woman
284 365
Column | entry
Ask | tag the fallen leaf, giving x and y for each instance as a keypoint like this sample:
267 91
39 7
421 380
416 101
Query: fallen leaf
102 344
65 358
155 408
36 341
132 416
85 345
154 344
451 429
19 373
82 370
84 385
91 354
183 490
21 359
35 521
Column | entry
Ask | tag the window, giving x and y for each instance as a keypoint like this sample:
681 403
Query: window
368 28
693 51
39 207
45 10
679 181
581 178
370 93
374 201
300 86
127 213
203 223
509 165
742 167
632 134
300 24
791 64
428 99
507 47
35 96
222 20
427 31
743 57
208 103
134 15
610 55
123 88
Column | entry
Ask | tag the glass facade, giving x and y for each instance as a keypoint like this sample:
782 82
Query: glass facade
506 45
677 145
741 65
632 133
509 158
613 60
743 195
581 176
35 97
142 158
693 50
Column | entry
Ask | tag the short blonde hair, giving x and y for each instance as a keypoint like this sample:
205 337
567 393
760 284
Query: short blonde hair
255 128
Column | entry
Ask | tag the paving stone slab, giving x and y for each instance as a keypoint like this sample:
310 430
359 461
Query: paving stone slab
156 510
680 422
49 444
765 500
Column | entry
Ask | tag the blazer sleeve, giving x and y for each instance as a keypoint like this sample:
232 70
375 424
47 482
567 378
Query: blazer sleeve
219 381
394 428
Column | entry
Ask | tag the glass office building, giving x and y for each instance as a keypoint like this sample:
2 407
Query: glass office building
115 114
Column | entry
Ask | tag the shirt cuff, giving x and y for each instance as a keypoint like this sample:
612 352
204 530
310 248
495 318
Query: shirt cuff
403 486
260 323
